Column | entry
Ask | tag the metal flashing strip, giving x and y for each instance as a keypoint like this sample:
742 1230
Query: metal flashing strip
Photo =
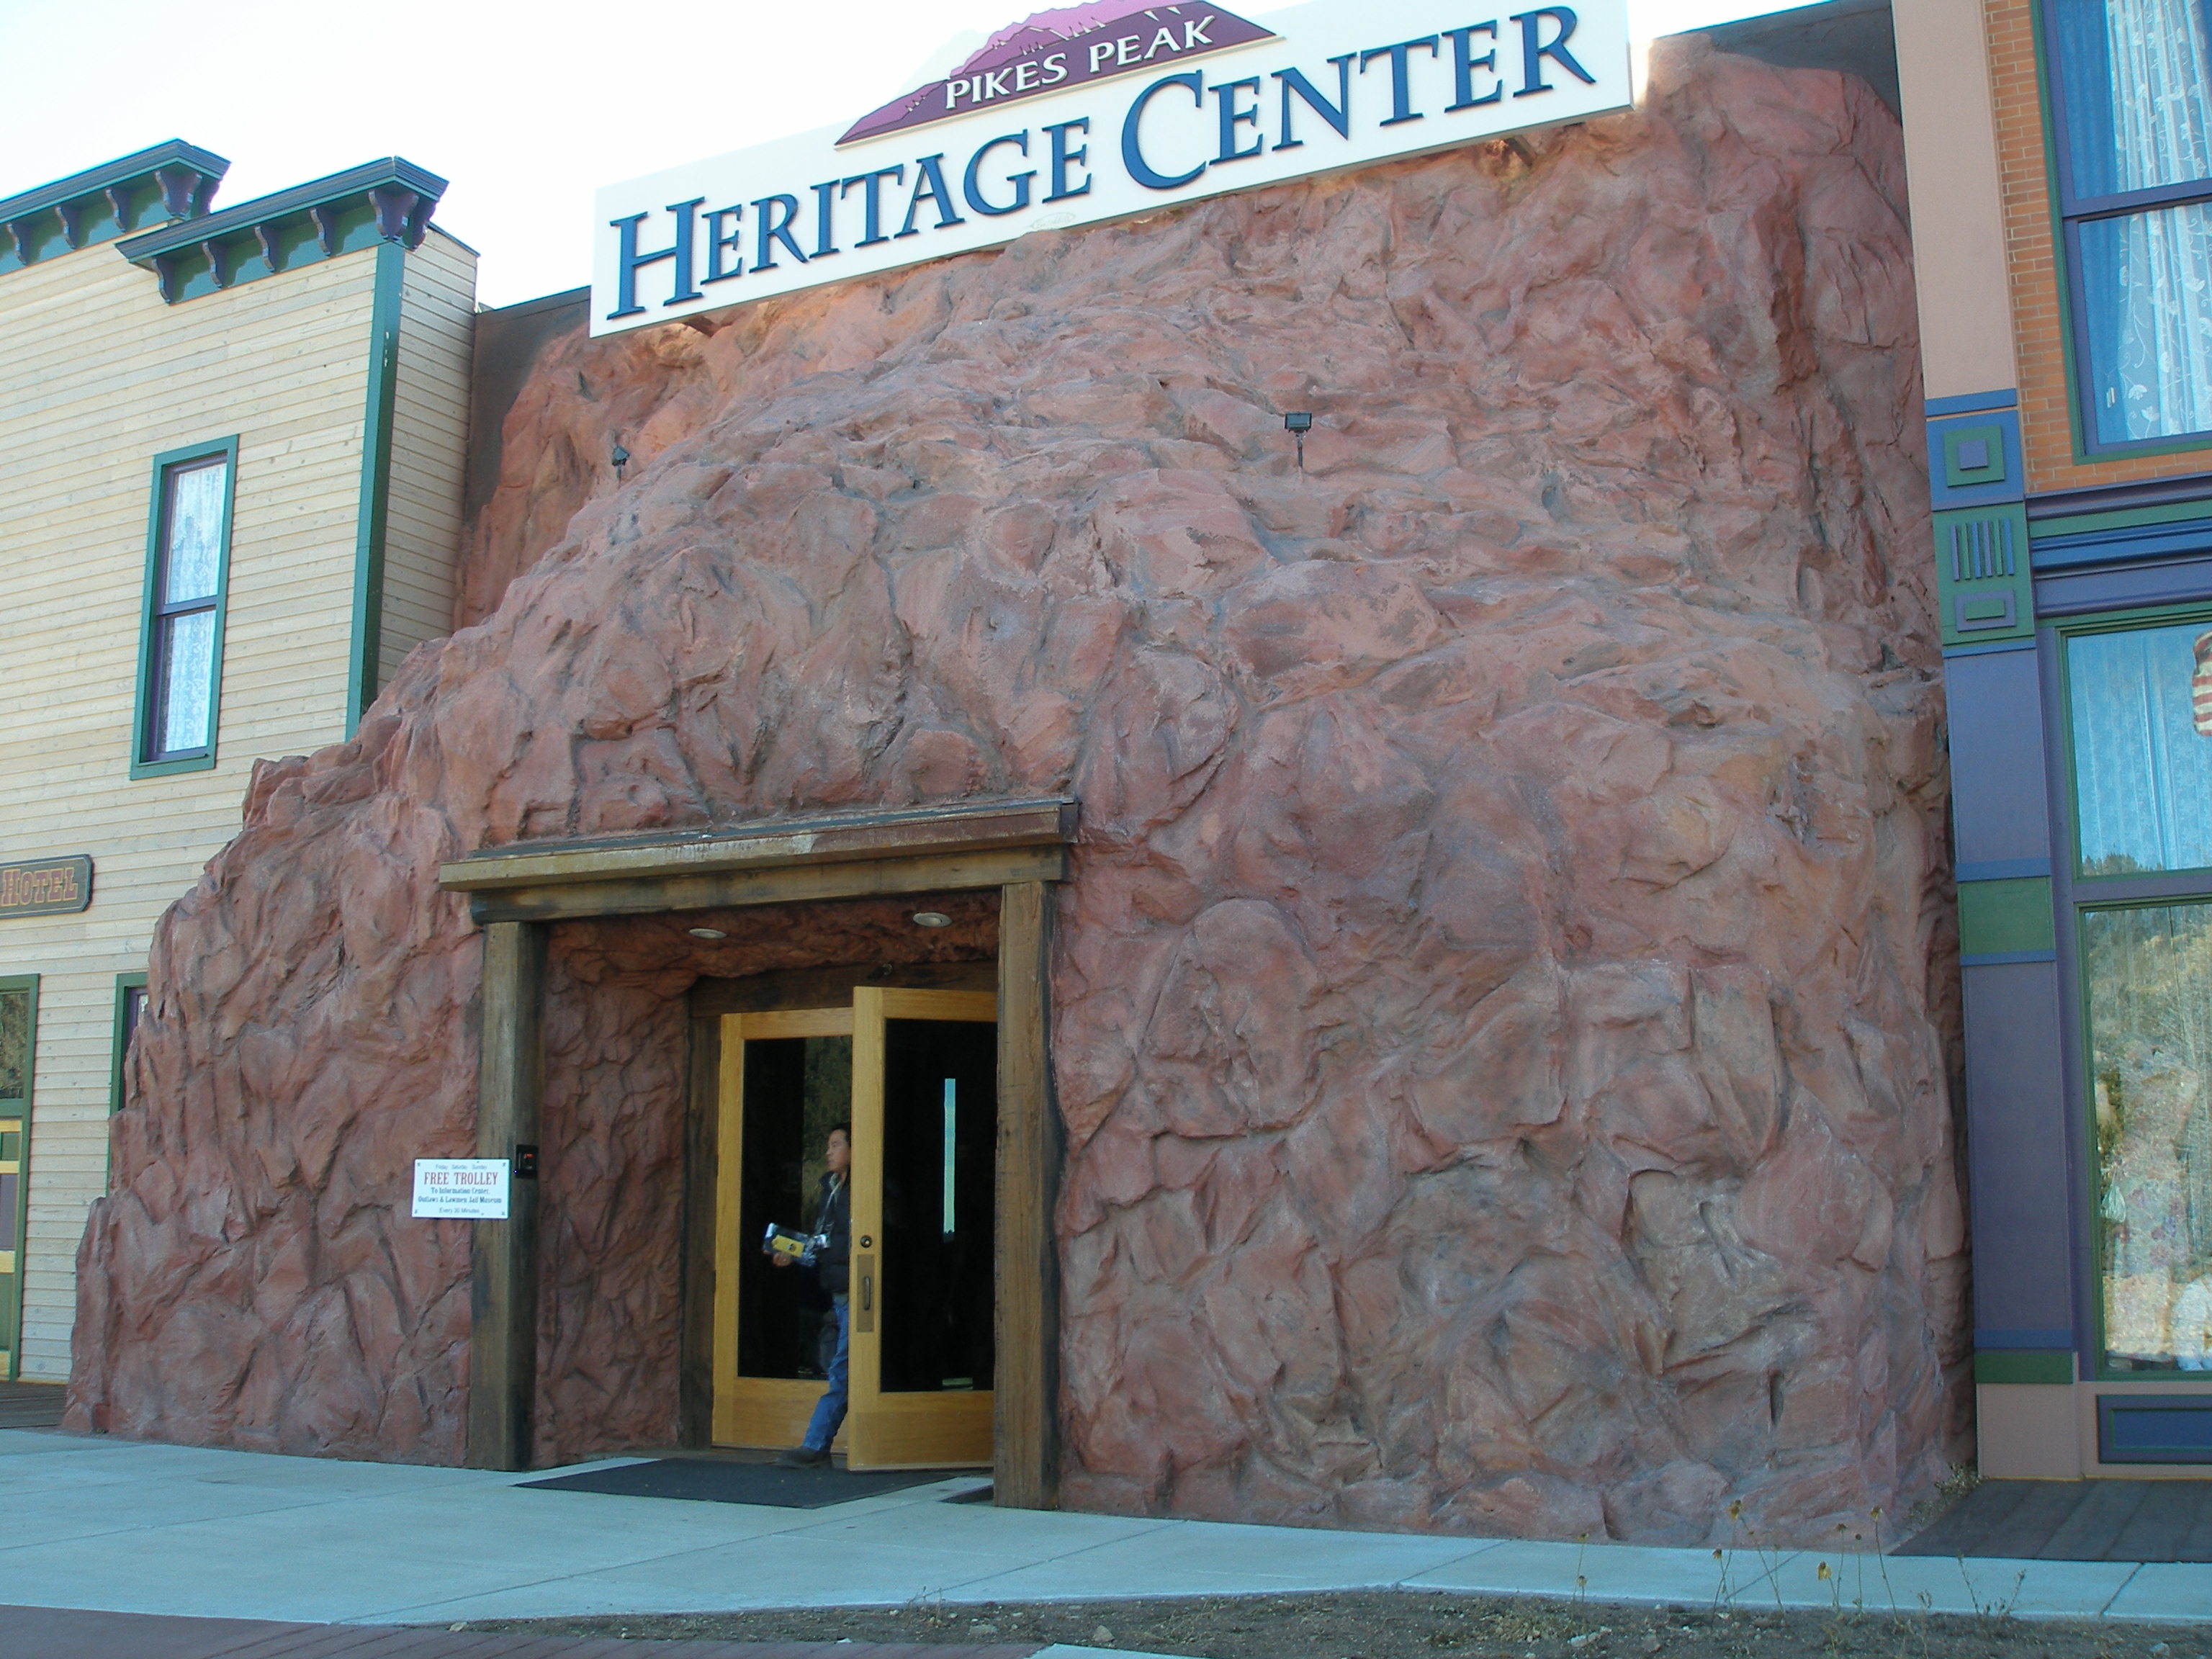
1989 649
168 181
389 200
2002 870
1972 403
2005 958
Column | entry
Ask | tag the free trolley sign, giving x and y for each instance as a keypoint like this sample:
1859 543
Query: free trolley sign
461 1188
51 887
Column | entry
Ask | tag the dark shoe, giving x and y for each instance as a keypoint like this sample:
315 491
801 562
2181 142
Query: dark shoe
801 1457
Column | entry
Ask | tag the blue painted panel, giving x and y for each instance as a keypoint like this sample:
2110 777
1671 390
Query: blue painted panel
1996 757
2017 1139
2154 1428
2150 541
2120 587
1972 403
1973 460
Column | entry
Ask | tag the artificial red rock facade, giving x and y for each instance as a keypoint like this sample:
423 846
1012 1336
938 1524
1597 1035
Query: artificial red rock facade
1502 999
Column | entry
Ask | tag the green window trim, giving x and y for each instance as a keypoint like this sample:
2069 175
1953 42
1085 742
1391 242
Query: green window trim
373 512
19 1107
120 1039
149 606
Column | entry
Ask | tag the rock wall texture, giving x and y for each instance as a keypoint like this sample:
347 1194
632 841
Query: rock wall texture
1501 1002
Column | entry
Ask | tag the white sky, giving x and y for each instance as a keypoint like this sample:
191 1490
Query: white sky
527 106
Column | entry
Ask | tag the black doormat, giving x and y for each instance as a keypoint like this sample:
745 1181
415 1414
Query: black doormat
724 1481
2075 1521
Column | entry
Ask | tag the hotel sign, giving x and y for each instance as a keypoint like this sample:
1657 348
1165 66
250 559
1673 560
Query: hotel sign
50 887
1097 111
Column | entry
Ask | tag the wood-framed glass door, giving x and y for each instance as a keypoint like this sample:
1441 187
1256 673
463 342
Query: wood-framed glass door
915 1074
924 1143
787 1079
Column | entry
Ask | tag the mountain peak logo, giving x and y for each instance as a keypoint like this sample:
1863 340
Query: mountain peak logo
1052 51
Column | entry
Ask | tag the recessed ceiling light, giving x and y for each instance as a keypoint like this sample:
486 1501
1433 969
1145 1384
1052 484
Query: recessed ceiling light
707 932
932 919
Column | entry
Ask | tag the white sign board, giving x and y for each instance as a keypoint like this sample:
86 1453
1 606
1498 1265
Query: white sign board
1096 111
461 1188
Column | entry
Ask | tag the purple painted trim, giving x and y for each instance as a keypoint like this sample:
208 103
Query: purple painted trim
1972 403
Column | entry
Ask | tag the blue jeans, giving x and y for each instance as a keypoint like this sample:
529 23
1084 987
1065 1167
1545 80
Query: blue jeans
829 1410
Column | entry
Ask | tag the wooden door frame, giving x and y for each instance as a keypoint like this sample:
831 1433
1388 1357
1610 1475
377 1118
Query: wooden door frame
517 892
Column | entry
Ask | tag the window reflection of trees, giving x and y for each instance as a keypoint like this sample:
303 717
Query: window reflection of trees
2149 977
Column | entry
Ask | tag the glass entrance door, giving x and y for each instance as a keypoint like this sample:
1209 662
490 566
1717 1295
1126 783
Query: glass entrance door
925 1126
787 1081
914 1074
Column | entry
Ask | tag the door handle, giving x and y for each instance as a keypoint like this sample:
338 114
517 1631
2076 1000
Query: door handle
864 1318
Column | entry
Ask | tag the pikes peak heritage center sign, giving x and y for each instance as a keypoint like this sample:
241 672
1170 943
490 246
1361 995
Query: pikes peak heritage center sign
1092 112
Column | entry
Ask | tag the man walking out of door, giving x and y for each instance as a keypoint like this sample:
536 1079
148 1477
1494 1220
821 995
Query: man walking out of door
833 1221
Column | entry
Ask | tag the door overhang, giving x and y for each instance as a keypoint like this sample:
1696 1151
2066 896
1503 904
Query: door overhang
837 856
516 892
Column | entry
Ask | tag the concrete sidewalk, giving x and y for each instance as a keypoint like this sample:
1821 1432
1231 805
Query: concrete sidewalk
50 1634
113 1525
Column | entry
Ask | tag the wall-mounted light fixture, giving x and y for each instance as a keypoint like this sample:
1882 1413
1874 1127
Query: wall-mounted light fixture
932 919
621 458
706 933
1298 423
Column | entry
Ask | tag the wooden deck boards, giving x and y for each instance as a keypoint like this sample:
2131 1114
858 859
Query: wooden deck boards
30 1405
2075 1521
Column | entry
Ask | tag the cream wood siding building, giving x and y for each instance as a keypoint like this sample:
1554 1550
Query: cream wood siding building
327 331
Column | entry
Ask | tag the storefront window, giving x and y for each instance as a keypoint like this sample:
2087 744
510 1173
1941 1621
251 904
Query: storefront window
181 645
2135 83
2147 279
2147 970
15 1044
2142 710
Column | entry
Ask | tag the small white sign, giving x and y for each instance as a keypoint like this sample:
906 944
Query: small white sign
461 1188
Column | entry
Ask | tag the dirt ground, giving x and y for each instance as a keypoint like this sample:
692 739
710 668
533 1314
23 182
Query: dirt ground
1402 1625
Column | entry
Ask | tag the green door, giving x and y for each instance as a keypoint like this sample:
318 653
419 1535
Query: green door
19 1018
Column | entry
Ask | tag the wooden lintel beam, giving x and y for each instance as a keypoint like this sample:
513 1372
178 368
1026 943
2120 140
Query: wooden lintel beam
853 837
943 872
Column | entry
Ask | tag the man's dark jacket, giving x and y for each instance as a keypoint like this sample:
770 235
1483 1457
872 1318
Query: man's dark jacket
833 1215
